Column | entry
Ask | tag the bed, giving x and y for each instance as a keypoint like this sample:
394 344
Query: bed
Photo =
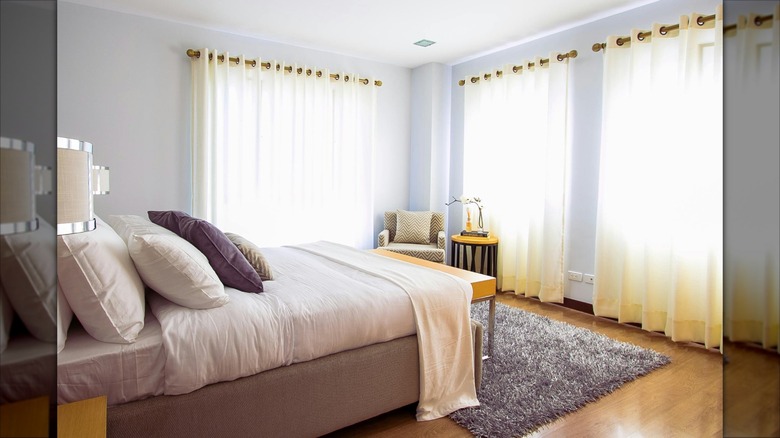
336 337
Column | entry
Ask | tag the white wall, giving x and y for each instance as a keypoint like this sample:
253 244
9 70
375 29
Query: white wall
430 143
585 87
124 85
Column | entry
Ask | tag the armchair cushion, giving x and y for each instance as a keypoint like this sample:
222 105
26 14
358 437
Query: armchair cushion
384 238
413 227
425 252
441 240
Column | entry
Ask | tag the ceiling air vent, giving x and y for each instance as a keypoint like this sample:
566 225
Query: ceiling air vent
424 43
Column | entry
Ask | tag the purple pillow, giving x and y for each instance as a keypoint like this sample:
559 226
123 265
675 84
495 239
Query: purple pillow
168 219
231 266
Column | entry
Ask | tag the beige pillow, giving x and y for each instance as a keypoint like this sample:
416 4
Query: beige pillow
413 227
169 264
28 270
101 285
253 255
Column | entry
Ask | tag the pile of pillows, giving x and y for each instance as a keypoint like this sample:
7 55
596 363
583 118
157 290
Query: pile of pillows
101 275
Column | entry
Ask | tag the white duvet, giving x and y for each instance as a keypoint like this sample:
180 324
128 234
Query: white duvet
327 298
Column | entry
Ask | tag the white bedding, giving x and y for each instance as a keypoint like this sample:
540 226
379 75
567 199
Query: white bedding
313 308
122 372
320 304
441 312
325 298
27 369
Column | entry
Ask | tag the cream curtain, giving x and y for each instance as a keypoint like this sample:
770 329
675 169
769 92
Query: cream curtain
752 291
659 223
282 157
521 119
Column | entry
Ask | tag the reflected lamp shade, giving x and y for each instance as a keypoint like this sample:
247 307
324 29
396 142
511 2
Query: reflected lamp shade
75 213
17 186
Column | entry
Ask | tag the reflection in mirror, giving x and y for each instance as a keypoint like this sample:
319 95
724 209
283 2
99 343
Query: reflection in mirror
28 276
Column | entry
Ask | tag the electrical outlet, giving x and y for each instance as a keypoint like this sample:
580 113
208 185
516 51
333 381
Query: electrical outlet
589 278
575 276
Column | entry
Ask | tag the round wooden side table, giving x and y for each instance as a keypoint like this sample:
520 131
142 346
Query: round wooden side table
463 245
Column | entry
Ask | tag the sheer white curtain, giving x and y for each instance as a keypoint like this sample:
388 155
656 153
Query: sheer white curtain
659 224
515 149
752 291
282 157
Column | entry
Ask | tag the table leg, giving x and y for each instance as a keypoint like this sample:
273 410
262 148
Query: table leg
494 261
491 325
452 253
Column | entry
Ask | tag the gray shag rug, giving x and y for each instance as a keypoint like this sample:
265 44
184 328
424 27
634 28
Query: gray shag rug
542 370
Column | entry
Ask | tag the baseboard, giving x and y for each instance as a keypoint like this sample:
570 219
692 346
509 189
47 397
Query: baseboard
577 305
569 303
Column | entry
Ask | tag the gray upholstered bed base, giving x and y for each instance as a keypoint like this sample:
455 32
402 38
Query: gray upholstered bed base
302 400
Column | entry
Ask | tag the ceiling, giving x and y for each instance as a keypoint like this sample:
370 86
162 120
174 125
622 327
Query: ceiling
382 30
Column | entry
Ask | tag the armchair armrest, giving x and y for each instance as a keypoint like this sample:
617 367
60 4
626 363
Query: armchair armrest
441 241
384 238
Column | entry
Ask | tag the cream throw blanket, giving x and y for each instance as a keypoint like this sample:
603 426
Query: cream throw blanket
441 305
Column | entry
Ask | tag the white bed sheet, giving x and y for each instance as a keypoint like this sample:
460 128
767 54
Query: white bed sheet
313 308
88 368
27 369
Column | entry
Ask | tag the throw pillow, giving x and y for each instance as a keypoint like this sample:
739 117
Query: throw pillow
253 255
413 227
169 219
169 264
230 265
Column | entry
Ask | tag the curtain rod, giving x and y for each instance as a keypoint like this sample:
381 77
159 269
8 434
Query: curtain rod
561 56
288 69
665 29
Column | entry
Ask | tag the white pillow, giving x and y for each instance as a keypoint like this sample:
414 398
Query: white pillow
101 284
28 270
64 318
6 316
169 264
413 227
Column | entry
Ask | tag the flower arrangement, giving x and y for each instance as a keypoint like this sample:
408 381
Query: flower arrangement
465 200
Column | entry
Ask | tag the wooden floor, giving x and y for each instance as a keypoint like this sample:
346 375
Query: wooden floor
684 398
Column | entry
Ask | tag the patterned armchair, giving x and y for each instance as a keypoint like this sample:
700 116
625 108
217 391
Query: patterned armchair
418 234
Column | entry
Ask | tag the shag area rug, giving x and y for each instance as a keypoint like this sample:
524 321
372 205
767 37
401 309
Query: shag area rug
542 370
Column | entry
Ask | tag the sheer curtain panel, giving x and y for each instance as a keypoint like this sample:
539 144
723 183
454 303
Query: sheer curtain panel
515 149
282 157
752 290
659 224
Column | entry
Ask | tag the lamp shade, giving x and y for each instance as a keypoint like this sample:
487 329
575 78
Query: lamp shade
74 186
17 191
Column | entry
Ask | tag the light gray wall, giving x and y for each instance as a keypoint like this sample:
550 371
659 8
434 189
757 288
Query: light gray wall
124 85
585 87
430 144
27 84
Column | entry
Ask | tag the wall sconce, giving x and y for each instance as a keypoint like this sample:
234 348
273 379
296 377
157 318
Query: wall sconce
20 181
74 186
100 180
